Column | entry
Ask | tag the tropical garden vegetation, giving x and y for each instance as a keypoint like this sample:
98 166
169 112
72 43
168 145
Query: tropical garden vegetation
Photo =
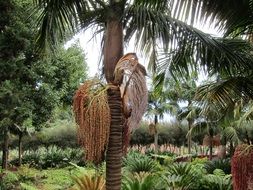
61 129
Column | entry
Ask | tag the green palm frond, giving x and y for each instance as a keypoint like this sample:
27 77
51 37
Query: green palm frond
226 92
248 115
140 181
231 134
196 50
219 180
182 176
199 128
229 16
59 18
184 43
147 22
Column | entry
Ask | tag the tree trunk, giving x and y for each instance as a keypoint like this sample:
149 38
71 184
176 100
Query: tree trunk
189 140
211 149
20 151
114 150
113 48
113 51
5 149
156 134
231 149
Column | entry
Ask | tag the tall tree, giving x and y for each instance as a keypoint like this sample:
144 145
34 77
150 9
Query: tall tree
30 86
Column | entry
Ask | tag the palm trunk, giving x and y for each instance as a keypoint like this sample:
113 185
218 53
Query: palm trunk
114 150
211 149
20 149
5 149
156 134
189 140
113 51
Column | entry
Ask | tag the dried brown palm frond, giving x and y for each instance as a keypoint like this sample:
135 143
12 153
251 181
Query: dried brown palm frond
130 75
88 182
92 115
126 137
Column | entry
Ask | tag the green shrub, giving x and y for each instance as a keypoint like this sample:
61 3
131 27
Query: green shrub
9 180
184 176
167 134
61 133
223 164
140 181
218 181
200 161
25 186
136 162
52 157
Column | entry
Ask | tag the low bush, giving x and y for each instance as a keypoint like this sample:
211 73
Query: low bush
62 134
218 181
167 134
184 176
51 157
9 180
136 162
141 181
223 164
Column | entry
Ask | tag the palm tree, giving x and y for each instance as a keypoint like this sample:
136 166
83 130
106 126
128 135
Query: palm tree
151 22
160 103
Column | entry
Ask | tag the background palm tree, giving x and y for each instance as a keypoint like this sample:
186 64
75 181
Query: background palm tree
159 104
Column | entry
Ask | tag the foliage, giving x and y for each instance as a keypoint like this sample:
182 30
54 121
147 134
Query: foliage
222 164
51 157
169 133
9 180
199 161
30 178
32 87
141 135
140 181
91 182
218 181
137 163
184 176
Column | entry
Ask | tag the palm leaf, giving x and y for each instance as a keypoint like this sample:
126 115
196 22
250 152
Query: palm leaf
198 128
226 92
228 15
59 18
230 133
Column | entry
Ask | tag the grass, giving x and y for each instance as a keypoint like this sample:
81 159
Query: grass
50 179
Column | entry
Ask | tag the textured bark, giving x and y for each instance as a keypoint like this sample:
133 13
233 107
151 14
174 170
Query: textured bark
156 134
189 140
114 150
5 149
20 151
113 51
113 48
211 149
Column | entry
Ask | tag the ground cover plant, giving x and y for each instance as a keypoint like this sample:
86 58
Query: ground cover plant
140 172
